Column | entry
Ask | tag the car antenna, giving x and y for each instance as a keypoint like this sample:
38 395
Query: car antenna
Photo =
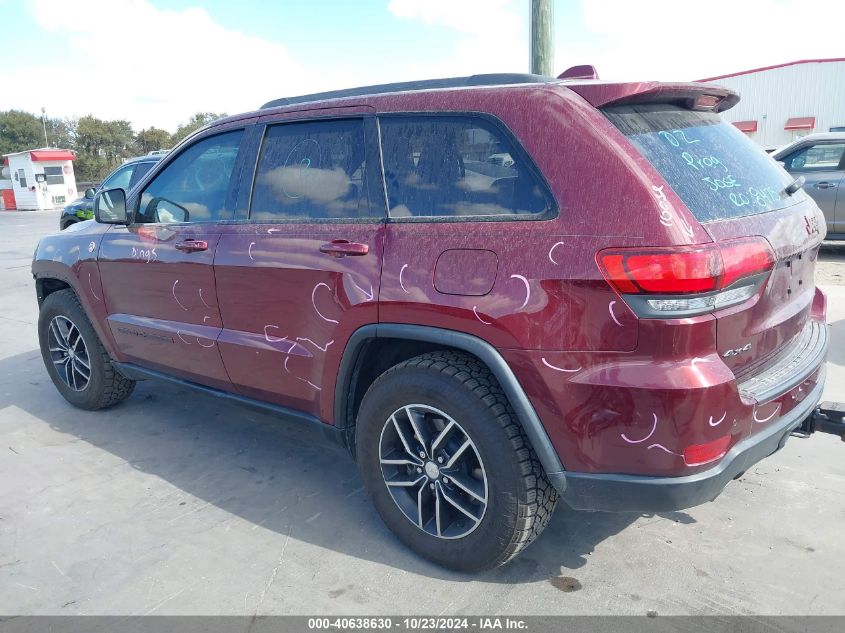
794 186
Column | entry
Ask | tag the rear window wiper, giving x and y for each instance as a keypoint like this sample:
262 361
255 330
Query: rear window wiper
794 186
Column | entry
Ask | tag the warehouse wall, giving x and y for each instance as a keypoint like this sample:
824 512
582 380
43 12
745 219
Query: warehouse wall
772 96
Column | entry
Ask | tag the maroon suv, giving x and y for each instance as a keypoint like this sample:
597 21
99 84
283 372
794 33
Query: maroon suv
495 290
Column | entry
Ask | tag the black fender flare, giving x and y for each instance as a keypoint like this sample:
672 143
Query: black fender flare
44 269
479 348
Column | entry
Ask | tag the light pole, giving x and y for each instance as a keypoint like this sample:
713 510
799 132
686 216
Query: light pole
542 38
44 124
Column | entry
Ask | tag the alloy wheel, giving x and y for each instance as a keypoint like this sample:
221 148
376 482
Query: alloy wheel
69 353
433 471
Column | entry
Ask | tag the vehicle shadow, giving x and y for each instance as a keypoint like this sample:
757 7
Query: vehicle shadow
275 474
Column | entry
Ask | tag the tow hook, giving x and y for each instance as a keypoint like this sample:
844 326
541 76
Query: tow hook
828 417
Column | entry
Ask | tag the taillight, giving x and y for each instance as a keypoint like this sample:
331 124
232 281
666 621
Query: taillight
687 280
682 270
698 454
744 258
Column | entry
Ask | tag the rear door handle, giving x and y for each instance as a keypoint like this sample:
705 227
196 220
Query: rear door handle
824 185
191 246
342 248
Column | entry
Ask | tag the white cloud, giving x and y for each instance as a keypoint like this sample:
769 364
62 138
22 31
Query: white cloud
132 60
469 16
493 35
129 59
673 40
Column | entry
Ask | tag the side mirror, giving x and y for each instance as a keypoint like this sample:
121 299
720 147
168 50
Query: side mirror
110 207
166 211
90 192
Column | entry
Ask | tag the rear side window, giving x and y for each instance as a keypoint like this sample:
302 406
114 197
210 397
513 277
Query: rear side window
456 166
315 170
819 157
141 170
717 171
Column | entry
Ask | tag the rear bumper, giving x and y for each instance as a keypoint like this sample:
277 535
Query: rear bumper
639 493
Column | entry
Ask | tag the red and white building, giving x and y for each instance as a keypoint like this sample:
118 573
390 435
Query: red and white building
38 179
781 103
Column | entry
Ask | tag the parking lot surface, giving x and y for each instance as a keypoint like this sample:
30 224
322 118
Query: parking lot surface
176 503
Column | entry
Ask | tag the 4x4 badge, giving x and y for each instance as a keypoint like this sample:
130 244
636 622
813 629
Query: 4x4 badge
812 225
737 351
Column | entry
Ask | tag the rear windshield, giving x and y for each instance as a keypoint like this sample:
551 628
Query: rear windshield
717 171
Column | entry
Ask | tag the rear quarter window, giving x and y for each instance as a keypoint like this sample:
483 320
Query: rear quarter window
717 172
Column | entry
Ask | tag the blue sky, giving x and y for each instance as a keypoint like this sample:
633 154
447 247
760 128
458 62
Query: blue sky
155 62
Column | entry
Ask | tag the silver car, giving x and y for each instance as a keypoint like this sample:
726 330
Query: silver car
820 158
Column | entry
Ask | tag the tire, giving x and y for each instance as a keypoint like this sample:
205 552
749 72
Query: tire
104 386
506 498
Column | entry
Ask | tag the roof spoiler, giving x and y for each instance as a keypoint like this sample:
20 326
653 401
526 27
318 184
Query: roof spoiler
584 71
694 96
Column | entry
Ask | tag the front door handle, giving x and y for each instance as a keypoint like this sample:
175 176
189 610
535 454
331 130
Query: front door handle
825 185
342 248
191 246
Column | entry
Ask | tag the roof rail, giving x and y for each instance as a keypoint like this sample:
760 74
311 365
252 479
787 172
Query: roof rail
495 79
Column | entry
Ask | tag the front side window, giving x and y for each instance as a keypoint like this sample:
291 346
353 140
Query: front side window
22 178
119 179
455 166
54 175
194 187
314 170
819 157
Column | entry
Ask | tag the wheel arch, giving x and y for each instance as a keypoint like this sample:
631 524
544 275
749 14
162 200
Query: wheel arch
373 349
47 285
51 278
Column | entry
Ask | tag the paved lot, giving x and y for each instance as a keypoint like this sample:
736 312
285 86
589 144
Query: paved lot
175 503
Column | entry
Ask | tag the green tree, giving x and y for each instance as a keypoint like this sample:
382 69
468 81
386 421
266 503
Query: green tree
19 131
151 139
197 121
62 133
101 146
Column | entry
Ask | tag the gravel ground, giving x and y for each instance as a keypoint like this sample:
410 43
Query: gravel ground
831 265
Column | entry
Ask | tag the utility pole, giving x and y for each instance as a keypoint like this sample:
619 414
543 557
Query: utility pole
542 37
44 123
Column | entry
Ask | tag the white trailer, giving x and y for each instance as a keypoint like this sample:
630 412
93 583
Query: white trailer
41 178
